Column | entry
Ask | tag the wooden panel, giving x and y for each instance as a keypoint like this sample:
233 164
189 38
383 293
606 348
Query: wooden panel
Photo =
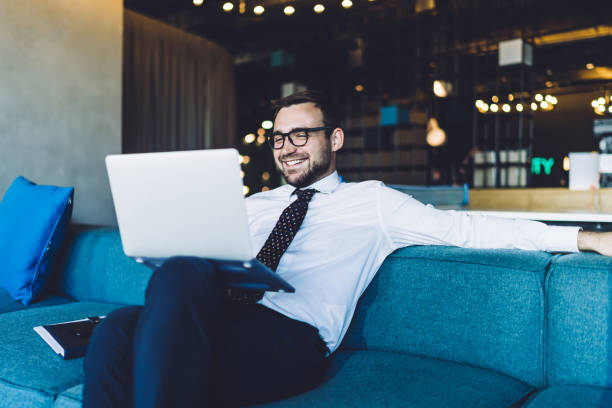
541 199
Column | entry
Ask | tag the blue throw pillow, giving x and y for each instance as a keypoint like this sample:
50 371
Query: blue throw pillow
33 223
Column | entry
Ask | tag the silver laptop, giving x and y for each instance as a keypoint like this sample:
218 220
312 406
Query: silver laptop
188 203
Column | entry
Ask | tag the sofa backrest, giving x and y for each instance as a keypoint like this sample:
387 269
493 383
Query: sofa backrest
480 307
579 323
93 267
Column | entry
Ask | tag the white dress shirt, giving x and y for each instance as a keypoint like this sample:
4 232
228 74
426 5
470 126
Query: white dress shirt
349 230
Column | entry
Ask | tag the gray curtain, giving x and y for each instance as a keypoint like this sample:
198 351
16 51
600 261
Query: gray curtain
178 89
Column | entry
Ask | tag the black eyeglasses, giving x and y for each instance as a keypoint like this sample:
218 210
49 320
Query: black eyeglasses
298 137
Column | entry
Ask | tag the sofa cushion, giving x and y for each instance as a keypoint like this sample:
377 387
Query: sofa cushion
34 220
383 379
31 374
480 307
574 396
94 268
373 379
579 341
71 398
8 304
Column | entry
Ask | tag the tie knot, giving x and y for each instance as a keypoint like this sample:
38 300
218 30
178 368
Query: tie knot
305 195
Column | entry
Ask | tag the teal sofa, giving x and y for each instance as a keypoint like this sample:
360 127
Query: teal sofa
437 327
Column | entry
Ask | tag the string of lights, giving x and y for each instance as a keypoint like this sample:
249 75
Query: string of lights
496 105
259 9
602 105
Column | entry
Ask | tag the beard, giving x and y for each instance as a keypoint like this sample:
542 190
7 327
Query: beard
317 169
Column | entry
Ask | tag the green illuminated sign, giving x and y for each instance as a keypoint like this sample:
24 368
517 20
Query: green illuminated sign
537 163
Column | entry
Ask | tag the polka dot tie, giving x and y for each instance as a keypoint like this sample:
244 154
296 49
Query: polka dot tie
279 240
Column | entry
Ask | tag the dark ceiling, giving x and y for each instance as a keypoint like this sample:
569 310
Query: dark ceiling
478 19
567 34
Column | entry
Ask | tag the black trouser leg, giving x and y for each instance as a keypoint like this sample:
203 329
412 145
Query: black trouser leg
192 348
174 335
108 365
266 356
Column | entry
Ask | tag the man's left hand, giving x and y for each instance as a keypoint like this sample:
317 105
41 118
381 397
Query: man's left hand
595 241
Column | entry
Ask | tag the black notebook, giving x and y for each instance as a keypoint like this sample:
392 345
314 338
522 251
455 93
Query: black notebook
69 339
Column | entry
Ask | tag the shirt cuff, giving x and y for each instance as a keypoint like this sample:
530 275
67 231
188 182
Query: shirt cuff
561 239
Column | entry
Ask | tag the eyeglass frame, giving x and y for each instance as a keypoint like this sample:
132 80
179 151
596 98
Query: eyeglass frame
288 136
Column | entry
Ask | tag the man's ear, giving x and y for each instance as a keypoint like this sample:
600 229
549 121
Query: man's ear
337 139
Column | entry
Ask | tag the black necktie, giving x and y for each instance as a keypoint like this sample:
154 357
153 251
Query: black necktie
279 240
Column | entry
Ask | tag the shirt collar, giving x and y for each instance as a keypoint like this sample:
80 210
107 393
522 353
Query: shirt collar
326 185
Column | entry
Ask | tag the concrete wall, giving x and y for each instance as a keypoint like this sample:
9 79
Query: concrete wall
60 97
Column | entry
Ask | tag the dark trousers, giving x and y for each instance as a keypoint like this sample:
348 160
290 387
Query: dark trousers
190 347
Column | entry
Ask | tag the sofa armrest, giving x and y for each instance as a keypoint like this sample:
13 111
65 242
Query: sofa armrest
579 323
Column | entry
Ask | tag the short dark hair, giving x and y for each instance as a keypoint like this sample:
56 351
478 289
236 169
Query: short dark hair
320 100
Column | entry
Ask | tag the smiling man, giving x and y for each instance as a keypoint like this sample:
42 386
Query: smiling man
305 142
196 344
